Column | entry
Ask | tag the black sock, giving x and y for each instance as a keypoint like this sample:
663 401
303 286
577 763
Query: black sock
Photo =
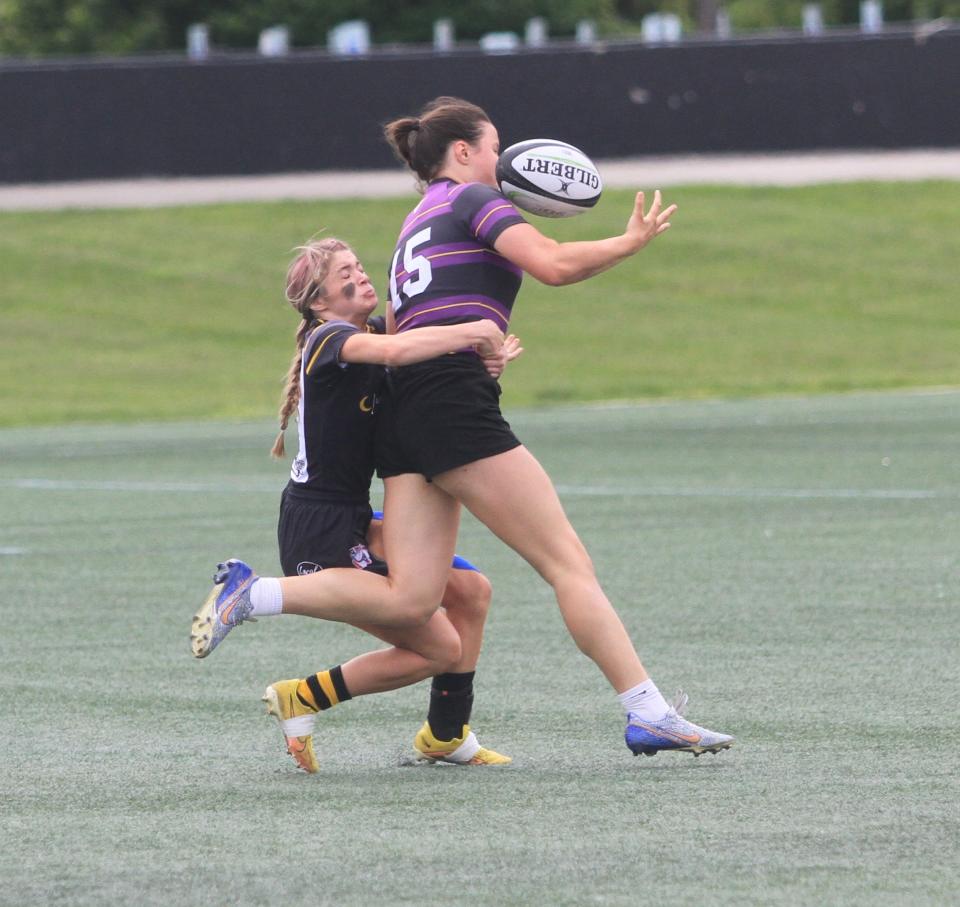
451 700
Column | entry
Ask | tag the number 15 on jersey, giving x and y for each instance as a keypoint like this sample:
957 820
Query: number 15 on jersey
417 268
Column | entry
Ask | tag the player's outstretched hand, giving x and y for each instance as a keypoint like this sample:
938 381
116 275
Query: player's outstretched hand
643 227
507 353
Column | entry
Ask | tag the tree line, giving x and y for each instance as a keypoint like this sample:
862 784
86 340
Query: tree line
51 27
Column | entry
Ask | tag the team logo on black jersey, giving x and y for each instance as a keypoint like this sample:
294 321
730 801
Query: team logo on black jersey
305 568
360 556
366 404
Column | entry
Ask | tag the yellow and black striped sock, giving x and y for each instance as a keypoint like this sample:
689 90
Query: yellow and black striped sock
323 690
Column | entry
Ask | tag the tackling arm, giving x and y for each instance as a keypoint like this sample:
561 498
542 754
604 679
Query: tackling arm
422 343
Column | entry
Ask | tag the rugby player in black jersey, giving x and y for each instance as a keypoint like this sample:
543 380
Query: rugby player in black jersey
460 257
325 515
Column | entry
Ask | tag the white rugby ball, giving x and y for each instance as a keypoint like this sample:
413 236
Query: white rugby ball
549 178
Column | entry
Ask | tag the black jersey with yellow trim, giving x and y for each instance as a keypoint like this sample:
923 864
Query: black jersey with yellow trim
337 407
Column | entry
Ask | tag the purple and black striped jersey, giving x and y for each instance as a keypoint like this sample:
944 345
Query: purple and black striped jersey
445 269
336 415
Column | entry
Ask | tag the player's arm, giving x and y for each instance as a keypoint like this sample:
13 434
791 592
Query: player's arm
422 344
558 264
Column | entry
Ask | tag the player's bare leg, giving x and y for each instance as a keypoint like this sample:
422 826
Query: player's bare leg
513 496
415 654
446 735
466 600
419 548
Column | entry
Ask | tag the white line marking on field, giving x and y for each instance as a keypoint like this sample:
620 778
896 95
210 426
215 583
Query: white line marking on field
801 493
880 494
135 486
7 551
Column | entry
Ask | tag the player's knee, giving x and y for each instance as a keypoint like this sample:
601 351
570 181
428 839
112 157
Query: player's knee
481 591
415 611
559 556
468 594
444 652
573 565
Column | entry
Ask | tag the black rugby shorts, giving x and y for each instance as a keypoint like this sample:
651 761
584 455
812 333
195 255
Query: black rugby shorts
315 533
439 415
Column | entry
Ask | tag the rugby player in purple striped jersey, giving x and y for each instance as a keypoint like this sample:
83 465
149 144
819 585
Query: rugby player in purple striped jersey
442 438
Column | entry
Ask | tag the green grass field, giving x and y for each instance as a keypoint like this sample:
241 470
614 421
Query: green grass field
790 560
792 563
178 313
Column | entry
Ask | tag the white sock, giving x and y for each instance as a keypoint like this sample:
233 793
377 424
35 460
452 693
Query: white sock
645 701
266 597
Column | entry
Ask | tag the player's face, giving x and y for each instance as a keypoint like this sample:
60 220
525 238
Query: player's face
349 295
484 155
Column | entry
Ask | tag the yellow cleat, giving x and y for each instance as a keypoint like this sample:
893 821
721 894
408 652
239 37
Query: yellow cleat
296 722
464 750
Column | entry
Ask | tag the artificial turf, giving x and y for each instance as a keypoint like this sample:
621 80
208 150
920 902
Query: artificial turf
791 563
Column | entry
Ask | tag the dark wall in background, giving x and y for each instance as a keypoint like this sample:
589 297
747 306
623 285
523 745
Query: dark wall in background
242 116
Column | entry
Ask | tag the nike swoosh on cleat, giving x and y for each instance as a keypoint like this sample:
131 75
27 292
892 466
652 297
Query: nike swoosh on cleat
298 750
670 735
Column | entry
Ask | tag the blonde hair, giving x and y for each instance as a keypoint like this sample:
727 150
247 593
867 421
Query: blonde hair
305 278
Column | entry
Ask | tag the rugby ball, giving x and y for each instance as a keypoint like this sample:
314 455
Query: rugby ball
548 178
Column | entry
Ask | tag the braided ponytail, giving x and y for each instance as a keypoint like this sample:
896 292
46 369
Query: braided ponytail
305 279
291 394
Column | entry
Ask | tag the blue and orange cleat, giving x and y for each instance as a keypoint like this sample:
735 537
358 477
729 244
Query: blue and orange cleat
673 732
227 605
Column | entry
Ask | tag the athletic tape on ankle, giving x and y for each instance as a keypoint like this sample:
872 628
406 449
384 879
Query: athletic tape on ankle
467 750
301 726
